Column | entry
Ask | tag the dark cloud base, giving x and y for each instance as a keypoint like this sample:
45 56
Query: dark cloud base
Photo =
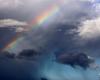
20 67
27 65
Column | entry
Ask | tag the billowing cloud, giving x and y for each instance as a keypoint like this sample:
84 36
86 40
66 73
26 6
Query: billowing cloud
90 29
26 54
66 18
11 23
65 21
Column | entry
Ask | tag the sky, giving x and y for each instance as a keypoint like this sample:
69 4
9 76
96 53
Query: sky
49 26
77 23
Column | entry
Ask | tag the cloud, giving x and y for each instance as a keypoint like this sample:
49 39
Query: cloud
5 4
33 8
26 54
29 54
74 59
90 29
56 35
14 68
66 20
11 23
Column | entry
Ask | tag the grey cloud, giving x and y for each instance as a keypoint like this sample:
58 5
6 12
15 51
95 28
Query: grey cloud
73 59
10 4
88 33
71 14
26 54
14 68
89 28
33 8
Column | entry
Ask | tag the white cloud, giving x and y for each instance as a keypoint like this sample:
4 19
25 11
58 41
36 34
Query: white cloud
11 23
90 29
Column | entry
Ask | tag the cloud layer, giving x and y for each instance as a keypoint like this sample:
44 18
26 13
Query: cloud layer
65 25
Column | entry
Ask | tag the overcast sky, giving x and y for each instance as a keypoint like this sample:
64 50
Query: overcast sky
74 28
83 12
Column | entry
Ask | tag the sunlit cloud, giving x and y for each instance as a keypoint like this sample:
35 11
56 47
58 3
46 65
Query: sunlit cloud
11 23
90 29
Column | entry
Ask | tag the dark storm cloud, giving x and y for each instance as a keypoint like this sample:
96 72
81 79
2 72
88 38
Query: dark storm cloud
28 54
18 67
73 59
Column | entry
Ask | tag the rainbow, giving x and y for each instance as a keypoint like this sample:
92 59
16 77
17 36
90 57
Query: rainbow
39 20
13 42
45 17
